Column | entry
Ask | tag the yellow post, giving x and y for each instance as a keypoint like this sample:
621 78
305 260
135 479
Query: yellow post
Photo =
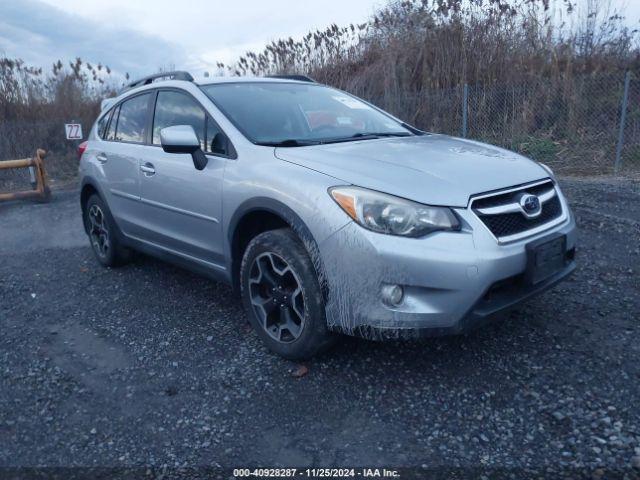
42 190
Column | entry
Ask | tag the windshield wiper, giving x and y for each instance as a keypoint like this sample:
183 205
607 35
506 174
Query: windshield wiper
367 136
290 142
381 134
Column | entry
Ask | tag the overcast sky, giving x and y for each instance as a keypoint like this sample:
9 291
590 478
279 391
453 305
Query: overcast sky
143 35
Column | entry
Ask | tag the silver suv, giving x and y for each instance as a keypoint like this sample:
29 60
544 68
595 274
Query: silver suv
325 213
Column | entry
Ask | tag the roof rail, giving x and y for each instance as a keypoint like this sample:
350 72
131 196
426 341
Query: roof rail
300 78
176 75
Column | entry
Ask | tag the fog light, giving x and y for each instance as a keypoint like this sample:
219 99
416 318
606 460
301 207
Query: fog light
392 295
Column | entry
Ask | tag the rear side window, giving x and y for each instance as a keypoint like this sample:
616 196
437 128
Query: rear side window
111 131
103 123
175 108
132 120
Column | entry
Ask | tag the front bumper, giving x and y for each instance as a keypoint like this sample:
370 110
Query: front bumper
452 281
490 307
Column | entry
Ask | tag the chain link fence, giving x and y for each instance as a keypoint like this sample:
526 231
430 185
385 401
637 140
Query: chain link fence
585 125
573 125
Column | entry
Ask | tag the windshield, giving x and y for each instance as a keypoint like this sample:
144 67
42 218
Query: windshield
292 114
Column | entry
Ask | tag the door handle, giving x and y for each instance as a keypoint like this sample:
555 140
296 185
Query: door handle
148 169
102 158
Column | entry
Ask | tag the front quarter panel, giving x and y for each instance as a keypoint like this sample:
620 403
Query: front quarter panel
259 180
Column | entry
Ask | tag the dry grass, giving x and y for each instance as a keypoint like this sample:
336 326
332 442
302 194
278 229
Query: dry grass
414 45
545 79
411 58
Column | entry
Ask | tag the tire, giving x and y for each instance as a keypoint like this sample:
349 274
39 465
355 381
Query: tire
282 296
103 233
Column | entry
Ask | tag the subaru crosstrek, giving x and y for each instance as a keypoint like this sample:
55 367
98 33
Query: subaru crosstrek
324 212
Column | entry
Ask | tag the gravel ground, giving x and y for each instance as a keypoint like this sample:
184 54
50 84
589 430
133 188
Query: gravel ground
152 366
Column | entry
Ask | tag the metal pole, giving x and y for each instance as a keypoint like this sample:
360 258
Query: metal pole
623 120
465 106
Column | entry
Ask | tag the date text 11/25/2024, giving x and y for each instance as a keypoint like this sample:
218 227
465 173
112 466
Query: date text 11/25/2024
316 472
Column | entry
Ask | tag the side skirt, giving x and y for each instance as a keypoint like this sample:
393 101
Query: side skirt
218 273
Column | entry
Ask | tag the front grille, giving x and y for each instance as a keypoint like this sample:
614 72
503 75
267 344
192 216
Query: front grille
505 198
511 223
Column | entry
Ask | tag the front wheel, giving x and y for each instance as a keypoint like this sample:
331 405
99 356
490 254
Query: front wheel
282 295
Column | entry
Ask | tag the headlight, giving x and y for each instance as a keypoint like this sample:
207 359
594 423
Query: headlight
384 213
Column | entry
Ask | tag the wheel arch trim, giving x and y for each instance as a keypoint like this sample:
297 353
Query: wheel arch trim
291 218
90 182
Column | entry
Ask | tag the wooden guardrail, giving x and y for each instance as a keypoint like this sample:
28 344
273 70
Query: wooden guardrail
41 190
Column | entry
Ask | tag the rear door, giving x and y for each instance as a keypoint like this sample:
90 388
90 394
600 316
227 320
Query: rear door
183 206
120 158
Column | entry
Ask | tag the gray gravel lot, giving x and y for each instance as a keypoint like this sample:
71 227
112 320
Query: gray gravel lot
151 365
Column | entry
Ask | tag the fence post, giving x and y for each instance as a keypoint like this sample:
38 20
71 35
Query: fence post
623 120
465 107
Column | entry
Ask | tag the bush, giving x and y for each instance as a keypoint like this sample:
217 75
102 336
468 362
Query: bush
545 87
542 149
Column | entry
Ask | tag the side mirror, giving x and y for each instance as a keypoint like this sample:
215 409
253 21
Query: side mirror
183 139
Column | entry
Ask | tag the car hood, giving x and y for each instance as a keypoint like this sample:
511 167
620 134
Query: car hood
431 169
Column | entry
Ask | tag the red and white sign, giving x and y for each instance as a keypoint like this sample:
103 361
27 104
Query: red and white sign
73 130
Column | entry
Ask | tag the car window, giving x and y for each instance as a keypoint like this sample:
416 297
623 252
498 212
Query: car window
216 141
133 119
175 108
111 131
103 123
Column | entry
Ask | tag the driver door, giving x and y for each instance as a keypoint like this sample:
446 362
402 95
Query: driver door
183 206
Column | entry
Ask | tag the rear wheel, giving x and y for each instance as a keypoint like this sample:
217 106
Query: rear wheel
102 233
282 295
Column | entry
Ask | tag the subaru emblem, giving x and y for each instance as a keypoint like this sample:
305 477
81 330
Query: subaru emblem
530 205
